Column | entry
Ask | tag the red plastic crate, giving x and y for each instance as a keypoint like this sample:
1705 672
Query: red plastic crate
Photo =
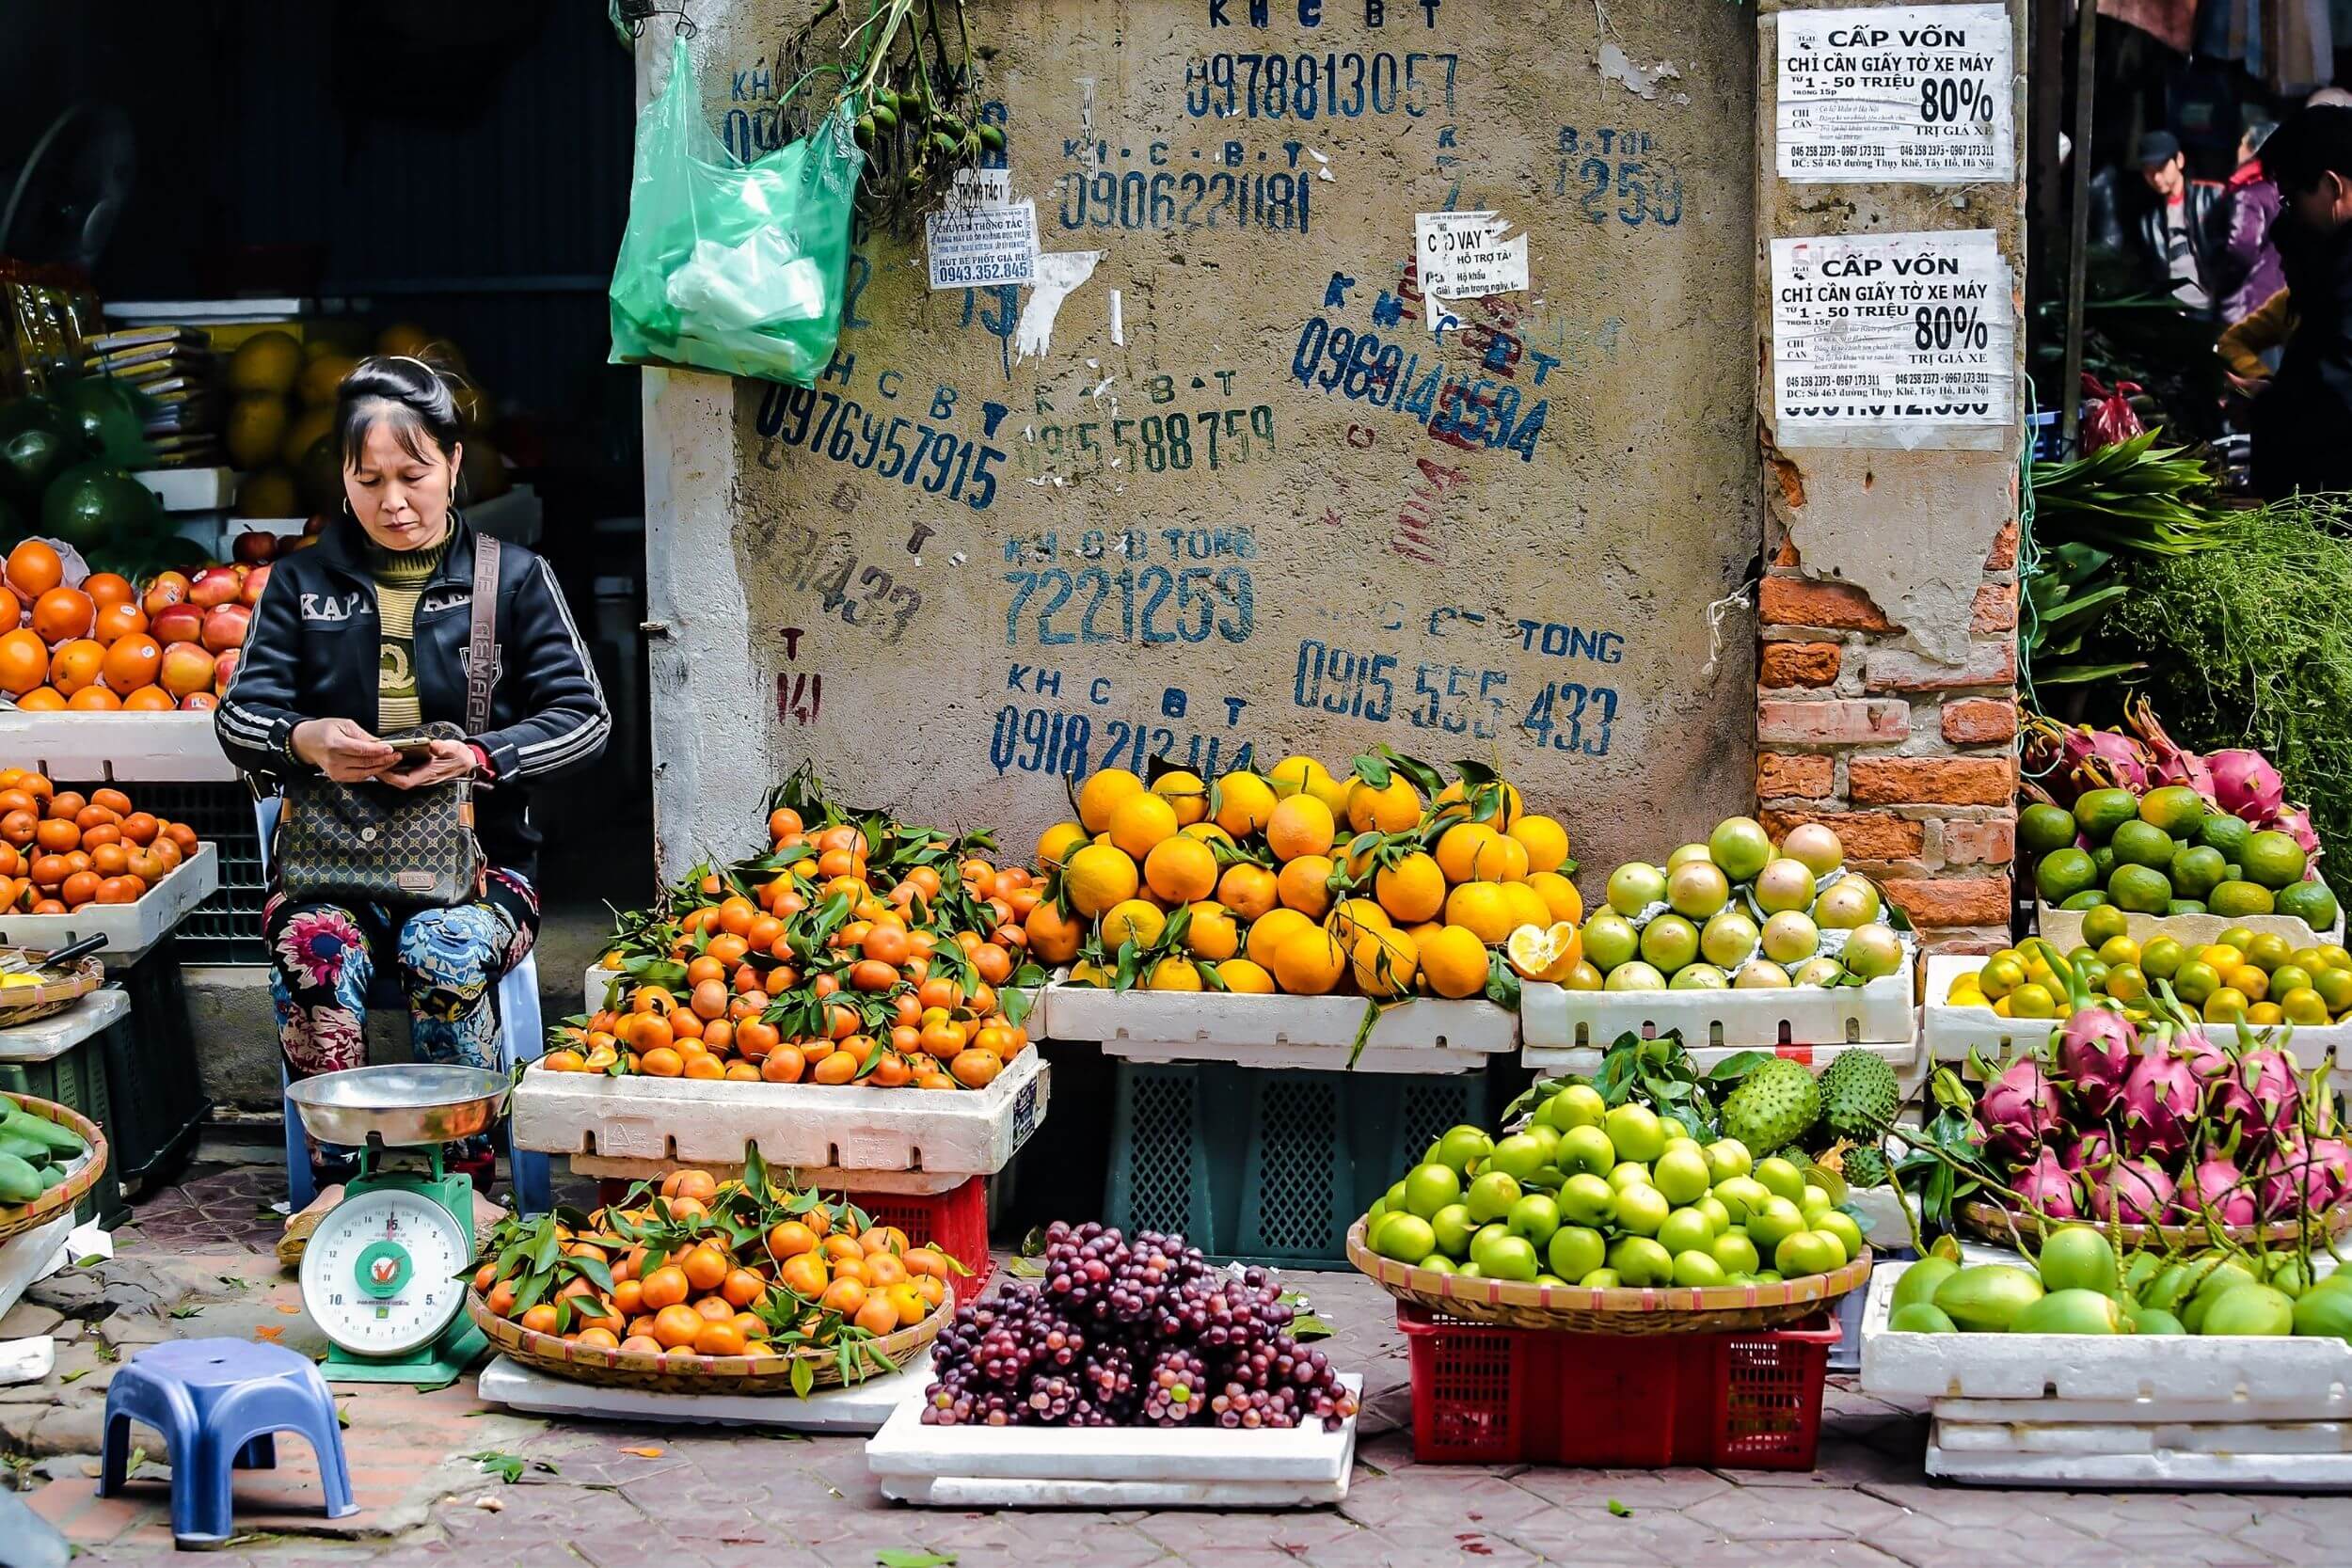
955 1221
1489 1394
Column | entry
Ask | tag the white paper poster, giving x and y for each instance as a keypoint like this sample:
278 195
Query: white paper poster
1469 255
1892 339
1922 94
982 238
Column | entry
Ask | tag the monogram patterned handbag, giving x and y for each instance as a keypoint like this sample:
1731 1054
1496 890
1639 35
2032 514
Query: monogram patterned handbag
368 842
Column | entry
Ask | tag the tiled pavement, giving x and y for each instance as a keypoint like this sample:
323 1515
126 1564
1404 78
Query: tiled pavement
196 1261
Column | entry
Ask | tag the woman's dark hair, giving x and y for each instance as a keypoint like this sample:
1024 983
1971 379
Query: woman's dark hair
2311 143
414 398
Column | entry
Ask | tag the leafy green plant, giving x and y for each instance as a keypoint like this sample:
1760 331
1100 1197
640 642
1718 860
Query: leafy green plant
1659 1074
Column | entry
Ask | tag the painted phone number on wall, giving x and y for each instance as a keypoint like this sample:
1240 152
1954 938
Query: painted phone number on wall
1567 716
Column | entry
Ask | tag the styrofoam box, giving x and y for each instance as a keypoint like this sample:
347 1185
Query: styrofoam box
978 1467
1951 1033
2285 1468
2259 1376
597 985
1422 1036
30 1256
155 748
2065 926
131 930
190 490
687 1120
858 1409
1555 1020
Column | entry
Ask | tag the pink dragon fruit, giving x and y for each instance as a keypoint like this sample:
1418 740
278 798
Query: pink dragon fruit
2269 1078
2088 1152
2049 1188
2161 1101
2134 1191
2071 758
2215 1186
2295 823
2244 784
2019 1110
2094 1056
2228 1104
2294 1180
2173 765
2334 1157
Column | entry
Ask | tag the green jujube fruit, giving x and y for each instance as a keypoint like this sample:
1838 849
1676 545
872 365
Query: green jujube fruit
2250 1309
1920 1317
18 1181
2070 1311
2155 1320
1919 1281
1984 1298
2324 1312
2077 1258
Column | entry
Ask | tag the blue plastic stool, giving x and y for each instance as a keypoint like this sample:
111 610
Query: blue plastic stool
219 1404
521 1038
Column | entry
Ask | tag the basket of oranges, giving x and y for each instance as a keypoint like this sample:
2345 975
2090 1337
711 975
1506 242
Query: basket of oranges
702 1286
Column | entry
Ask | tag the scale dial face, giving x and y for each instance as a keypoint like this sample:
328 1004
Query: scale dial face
380 1273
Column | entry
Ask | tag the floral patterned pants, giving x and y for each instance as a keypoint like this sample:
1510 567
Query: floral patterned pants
324 959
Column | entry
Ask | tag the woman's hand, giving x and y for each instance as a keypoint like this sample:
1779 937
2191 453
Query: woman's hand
448 759
342 750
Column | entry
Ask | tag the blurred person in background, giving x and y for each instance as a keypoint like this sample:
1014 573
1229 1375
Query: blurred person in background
2247 271
2302 423
2180 225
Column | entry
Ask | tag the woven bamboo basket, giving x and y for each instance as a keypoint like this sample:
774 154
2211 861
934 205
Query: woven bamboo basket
54 993
1648 1310
683 1371
62 1198
1994 1223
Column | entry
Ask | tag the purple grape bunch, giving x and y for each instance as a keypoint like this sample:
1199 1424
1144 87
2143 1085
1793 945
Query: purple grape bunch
1122 1332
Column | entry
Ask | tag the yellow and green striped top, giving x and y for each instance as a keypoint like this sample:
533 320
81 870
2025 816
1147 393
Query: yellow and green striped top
400 579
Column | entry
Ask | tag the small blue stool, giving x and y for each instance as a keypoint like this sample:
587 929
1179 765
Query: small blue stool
219 1404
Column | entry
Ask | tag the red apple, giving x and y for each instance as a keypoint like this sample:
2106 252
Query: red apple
199 701
164 589
185 670
224 670
255 580
214 585
254 546
177 623
316 525
225 626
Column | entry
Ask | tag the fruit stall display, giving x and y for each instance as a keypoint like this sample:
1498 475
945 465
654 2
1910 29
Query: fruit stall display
60 852
97 642
2258 977
2130 821
1737 942
742 1286
65 457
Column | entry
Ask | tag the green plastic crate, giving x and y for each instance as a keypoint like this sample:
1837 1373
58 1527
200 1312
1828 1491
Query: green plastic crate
77 1081
1272 1165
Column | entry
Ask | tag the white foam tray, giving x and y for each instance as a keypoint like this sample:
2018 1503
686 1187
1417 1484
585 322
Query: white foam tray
830 1178
131 748
2065 926
598 983
131 928
1951 1033
1554 1021
1109 1467
687 1121
30 1256
2043 1370
860 1410
46 1040
2285 1469
1423 1035
190 490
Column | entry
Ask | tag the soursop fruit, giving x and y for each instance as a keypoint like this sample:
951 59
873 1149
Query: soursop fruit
1864 1168
1858 1096
1774 1106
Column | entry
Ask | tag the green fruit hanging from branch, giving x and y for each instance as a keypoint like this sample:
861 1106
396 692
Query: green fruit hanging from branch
909 75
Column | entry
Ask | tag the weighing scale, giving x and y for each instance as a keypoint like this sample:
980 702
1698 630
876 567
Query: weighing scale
383 1274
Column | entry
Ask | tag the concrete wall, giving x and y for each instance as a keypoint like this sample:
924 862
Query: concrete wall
1512 557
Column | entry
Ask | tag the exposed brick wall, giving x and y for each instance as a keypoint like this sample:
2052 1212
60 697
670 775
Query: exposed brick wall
1908 759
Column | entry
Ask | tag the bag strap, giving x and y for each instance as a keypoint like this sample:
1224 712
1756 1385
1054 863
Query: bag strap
482 641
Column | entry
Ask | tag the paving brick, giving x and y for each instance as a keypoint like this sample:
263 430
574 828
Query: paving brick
1931 781
1951 901
1979 721
1834 723
1899 670
1803 602
1867 836
1784 776
1798 663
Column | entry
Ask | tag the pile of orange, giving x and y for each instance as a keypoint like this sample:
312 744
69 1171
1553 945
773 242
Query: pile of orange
832 960
61 851
806 1274
100 645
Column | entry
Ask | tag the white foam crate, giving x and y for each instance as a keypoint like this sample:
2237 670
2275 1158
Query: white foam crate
2064 928
597 985
130 930
1109 1467
685 1121
134 748
31 1255
1423 1035
2285 1469
2043 1372
855 1411
1554 1021
1951 1033
190 490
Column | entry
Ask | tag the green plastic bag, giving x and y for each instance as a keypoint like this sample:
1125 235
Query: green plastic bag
731 266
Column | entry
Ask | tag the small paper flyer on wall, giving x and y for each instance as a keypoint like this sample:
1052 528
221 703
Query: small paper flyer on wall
1923 94
1903 340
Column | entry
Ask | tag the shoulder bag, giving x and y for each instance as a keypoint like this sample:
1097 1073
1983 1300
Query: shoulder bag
368 842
